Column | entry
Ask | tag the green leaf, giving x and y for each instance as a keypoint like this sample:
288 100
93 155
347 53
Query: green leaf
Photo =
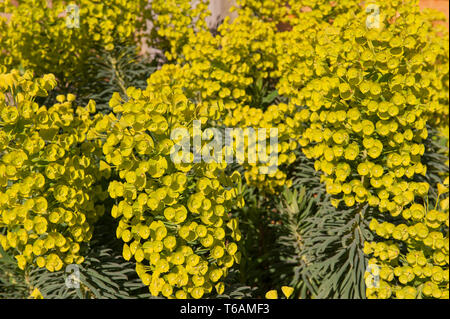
270 98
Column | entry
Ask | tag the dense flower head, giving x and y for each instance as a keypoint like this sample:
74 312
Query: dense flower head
59 37
228 70
413 260
48 174
173 216
175 22
280 117
368 94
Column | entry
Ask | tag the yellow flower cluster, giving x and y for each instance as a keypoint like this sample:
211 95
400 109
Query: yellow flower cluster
59 38
366 95
175 22
174 217
247 53
422 271
355 90
48 177
267 10
367 99
228 66
225 72
282 117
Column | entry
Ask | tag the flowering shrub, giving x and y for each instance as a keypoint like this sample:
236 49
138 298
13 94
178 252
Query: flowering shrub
173 216
423 270
369 95
355 87
228 70
49 199
176 23
46 38
281 117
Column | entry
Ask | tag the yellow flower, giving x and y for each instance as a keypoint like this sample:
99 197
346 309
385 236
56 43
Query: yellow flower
442 189
36 294
272 294
287 291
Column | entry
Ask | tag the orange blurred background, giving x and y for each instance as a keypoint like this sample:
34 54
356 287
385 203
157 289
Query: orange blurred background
441 5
